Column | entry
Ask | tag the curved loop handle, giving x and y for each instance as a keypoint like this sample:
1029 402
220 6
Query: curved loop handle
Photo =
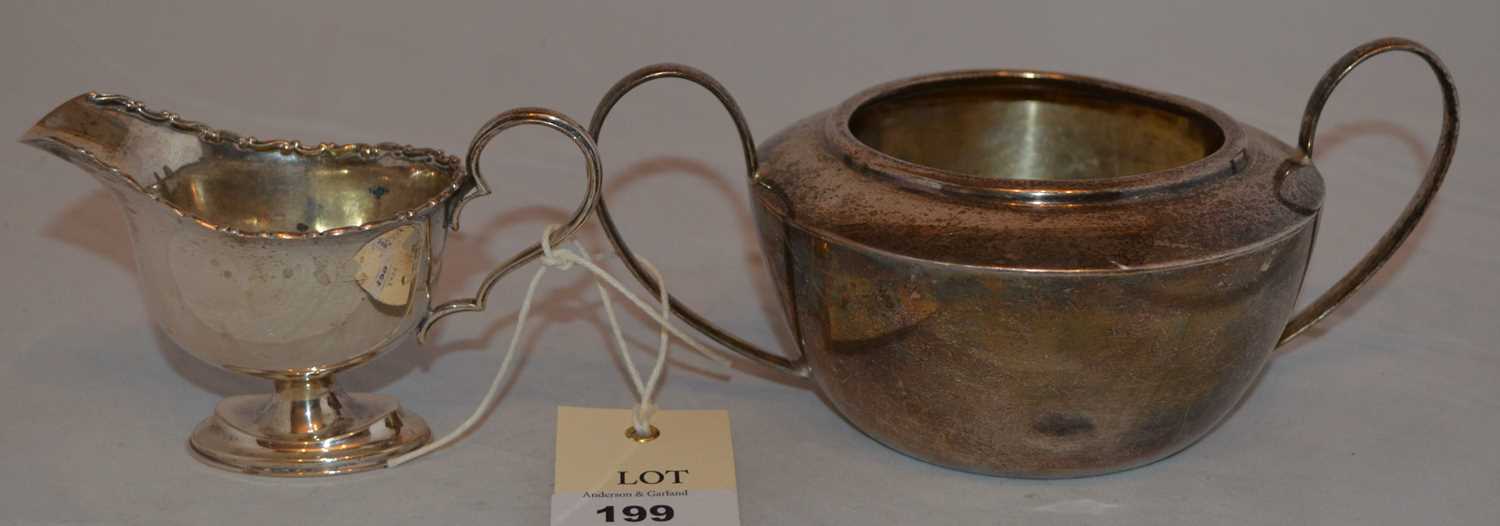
1407 221
794 367
502 122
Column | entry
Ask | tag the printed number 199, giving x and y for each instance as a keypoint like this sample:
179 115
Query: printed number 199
657 513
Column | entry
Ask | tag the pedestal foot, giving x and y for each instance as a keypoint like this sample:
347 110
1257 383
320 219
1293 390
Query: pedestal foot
308 428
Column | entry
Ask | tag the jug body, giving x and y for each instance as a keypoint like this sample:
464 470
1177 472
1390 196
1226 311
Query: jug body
286 307
266 257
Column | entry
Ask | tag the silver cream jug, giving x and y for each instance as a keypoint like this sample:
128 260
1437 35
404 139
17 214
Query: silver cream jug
289 262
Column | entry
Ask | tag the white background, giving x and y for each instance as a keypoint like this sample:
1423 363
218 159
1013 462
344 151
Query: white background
1387 414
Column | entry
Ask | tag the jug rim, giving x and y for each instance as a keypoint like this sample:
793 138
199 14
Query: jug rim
1228 157
416 156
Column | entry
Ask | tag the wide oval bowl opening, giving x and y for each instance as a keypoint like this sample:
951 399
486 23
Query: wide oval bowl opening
999 128
274 192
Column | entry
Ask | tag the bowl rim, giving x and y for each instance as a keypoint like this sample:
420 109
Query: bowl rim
1227 158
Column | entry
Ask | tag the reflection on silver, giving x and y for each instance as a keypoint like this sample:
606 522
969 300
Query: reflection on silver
288 262
1037 274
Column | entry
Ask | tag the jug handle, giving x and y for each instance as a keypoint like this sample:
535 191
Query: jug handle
795 367
1437 169
502 122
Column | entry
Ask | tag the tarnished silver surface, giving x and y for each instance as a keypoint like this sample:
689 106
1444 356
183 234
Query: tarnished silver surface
289 262
1037 274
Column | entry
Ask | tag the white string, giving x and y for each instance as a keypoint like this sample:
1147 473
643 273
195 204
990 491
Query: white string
564 259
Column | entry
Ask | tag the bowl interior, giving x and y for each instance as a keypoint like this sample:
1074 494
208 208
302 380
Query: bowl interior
1033 128
273 192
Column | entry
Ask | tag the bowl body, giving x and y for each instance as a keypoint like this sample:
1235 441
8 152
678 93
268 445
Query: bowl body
994 271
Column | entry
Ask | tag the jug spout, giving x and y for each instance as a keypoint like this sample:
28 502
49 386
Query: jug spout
98 133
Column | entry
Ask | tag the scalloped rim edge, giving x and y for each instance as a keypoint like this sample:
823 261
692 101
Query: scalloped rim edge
431 157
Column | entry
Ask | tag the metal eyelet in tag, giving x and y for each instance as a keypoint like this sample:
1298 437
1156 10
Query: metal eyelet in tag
606 474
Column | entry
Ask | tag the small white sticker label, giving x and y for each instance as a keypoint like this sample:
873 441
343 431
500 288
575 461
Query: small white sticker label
683 477
387 265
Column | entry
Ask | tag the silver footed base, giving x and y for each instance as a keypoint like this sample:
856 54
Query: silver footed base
308 428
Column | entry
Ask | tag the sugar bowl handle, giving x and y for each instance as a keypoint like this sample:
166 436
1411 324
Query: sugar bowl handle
502 122
796 367
1407 221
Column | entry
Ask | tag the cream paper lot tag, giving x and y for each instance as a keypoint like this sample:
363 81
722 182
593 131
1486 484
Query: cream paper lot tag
684 477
